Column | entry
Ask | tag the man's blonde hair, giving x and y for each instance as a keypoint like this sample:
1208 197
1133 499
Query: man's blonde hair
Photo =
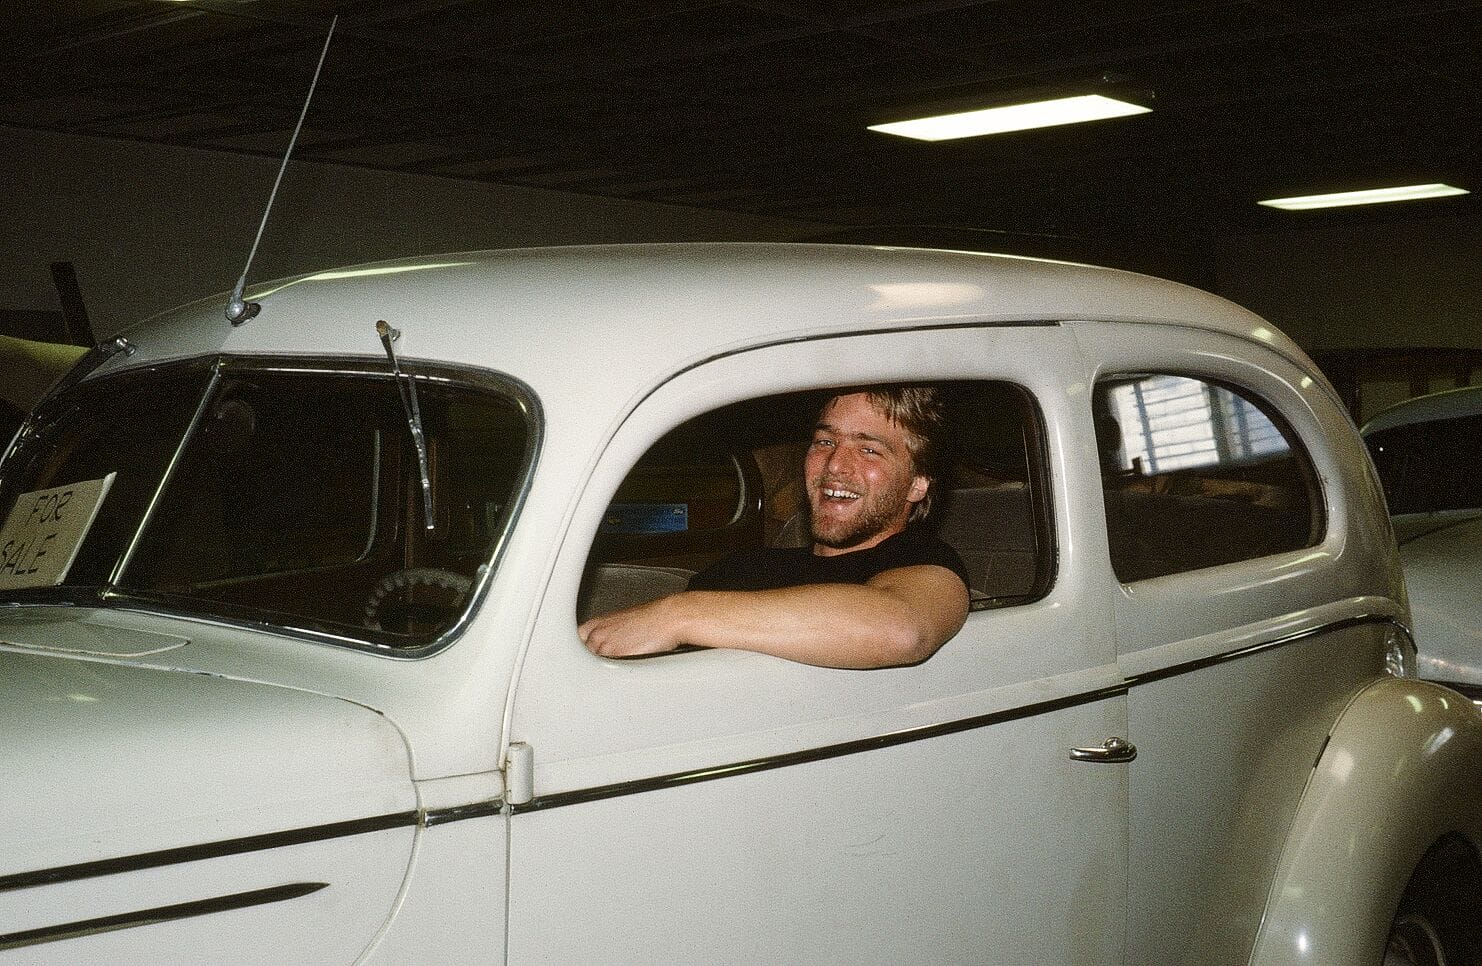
922 414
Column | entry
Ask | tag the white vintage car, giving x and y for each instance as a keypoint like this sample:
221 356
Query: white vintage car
291 670
1427 451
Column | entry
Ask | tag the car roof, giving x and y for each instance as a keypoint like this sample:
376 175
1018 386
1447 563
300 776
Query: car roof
638 313
1450 404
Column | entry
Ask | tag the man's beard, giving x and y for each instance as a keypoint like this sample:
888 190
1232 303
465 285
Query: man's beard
878 515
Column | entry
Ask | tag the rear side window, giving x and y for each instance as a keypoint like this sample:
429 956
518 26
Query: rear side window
1198 474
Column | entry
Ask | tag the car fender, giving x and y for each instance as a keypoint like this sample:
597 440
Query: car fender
155 814
1402 747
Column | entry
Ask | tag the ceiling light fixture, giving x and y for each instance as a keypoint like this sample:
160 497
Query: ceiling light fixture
1373 196
1014 117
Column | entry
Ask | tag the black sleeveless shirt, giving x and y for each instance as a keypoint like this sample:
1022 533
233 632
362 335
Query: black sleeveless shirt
770 568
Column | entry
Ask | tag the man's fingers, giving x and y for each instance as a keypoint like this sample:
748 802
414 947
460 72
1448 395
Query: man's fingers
604 637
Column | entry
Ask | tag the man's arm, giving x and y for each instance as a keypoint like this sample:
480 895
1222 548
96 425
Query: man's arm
900 617
27 369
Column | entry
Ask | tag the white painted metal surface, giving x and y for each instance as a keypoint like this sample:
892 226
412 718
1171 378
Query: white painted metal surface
1442 555
906 850
1440 540
114 762
1347 853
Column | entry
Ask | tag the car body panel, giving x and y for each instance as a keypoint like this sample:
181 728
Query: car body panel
1432 407
462 841
911 760
528 800
1237 671
1224 754
1441 554
183 790
1404 743
544 314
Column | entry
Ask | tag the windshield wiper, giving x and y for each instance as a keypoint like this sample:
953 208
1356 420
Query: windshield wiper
408 391
43 413
88 362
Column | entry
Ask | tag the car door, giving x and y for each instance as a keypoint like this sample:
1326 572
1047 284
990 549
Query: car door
721 806
1239 630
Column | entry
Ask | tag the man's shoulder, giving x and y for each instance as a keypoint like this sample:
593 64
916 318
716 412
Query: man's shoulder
918 546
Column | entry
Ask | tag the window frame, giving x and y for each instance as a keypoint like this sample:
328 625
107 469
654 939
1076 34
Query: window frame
521 399
1318 525
1036 470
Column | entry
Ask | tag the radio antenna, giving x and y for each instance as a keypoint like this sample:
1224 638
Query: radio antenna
238 310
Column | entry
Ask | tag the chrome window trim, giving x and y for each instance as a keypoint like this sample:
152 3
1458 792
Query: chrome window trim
1318 491
158 914
207 392
446 374
139 604
743 495
1043 507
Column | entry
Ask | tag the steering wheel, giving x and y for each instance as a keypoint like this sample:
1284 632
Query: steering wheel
400 583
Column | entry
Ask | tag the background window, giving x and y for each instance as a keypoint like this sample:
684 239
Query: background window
1169 423
1197 474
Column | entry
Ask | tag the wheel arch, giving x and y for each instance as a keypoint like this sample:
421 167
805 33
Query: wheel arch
1397 776
1437 916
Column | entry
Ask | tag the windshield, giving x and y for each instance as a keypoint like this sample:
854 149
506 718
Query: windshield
1431 466
285 495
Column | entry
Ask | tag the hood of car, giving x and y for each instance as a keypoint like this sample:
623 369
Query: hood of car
1441 539
1440 553
105 757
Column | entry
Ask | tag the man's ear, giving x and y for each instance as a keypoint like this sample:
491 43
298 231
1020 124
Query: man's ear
919 486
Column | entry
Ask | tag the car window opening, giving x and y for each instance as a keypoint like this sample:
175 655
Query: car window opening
1196 474
731 480
1426 467
294 499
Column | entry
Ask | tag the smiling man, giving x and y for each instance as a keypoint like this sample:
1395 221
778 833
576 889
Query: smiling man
875 589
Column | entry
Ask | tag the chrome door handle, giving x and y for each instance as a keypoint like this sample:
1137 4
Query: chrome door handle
1112 751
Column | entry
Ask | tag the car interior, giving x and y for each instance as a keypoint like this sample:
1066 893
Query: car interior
1182 456
732 479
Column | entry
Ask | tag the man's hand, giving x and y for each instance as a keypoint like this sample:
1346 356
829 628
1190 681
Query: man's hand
645 629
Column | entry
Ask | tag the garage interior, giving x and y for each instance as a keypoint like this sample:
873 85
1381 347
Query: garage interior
144 153
141 139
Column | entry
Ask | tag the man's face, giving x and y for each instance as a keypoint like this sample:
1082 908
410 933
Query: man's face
861 483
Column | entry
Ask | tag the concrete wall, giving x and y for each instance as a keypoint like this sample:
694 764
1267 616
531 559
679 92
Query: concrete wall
1375 285
149 227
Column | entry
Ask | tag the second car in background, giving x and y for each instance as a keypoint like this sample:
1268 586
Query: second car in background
1429 454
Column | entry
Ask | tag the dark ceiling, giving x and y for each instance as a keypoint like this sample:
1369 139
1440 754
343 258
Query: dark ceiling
761 107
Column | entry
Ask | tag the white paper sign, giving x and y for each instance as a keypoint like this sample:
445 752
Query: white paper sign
45 530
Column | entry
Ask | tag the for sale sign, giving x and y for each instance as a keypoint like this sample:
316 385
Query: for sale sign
45 530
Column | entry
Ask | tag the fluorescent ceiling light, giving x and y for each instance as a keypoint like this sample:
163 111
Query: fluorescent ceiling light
1015 117
1374 196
